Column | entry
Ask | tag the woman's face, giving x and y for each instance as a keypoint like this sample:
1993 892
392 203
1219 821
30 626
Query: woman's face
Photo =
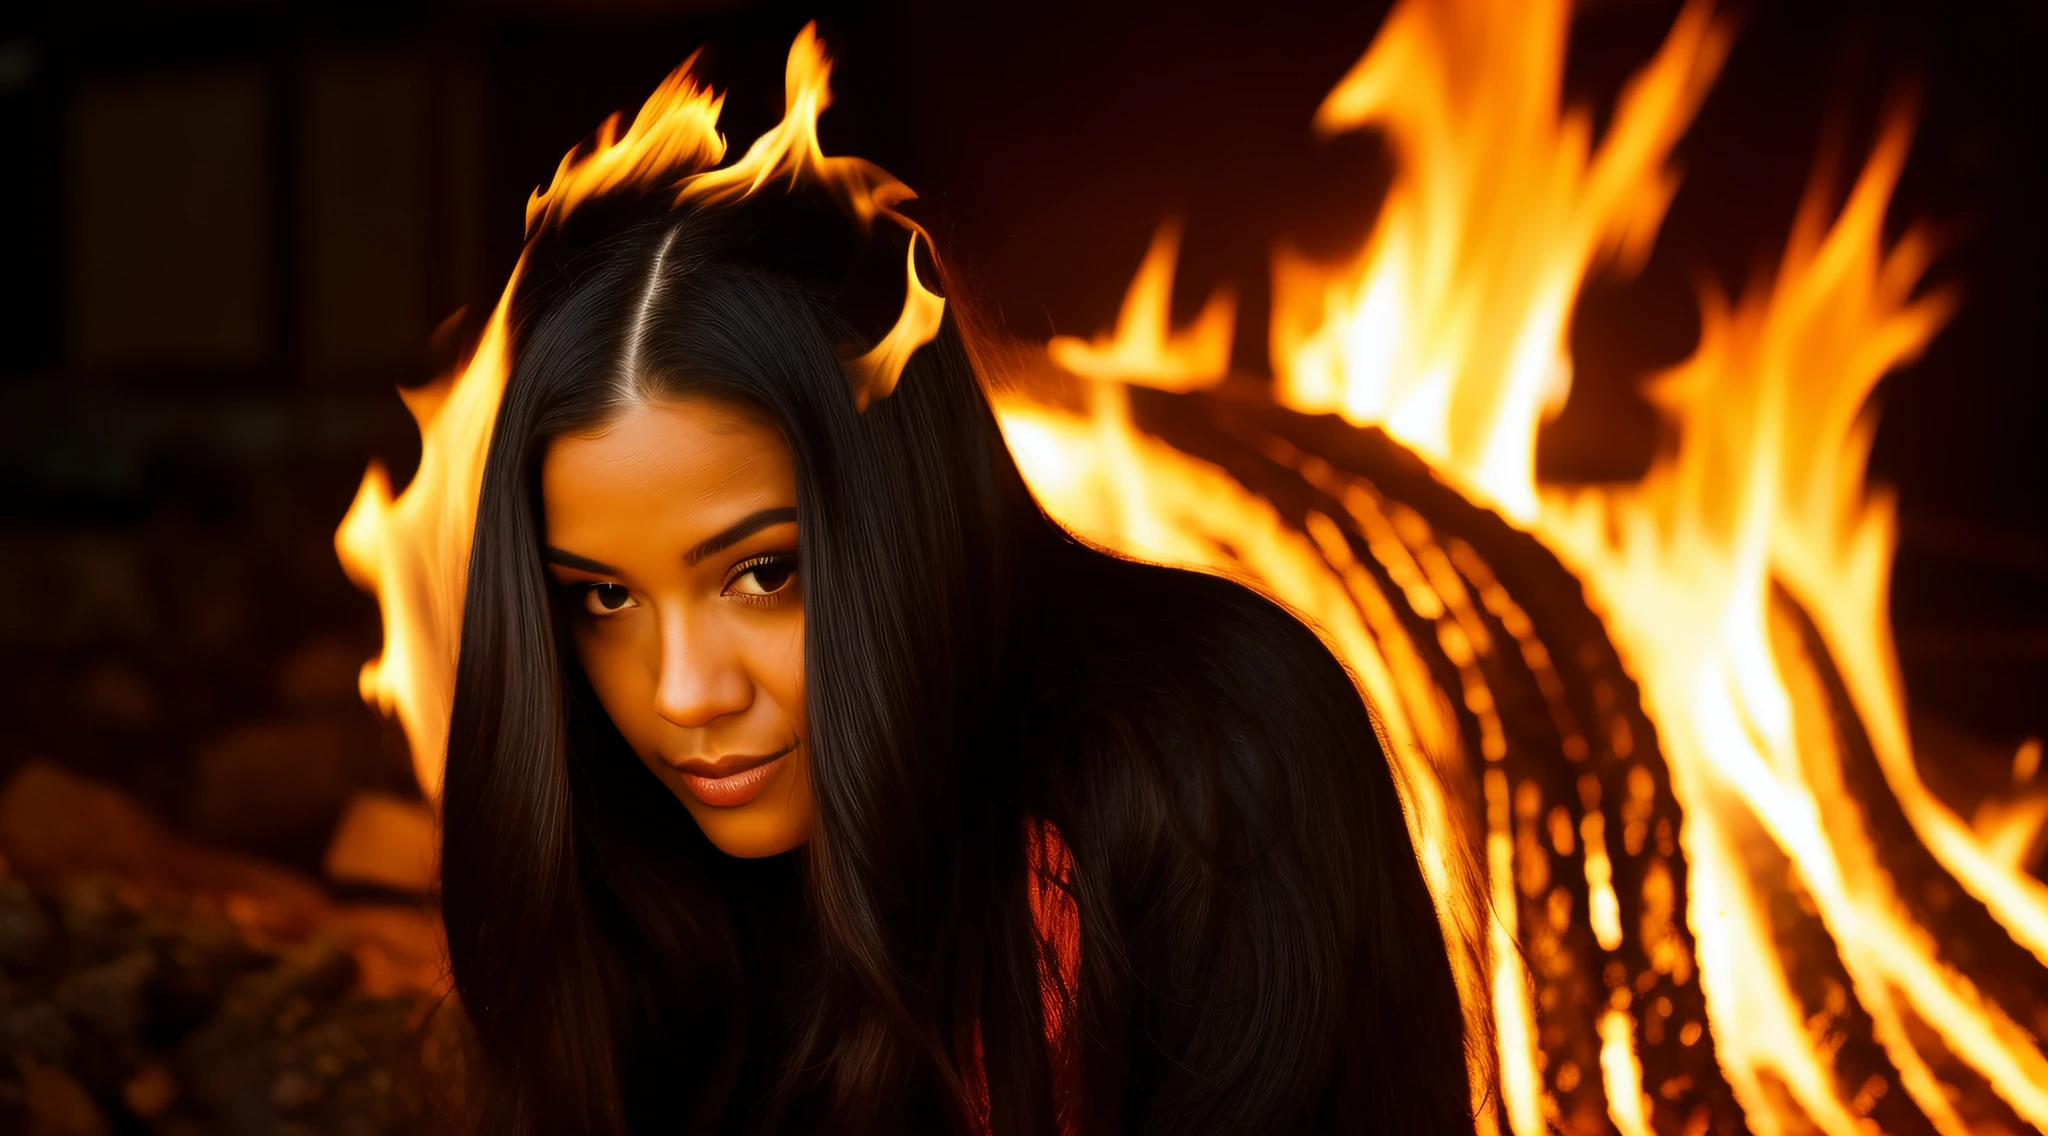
674 529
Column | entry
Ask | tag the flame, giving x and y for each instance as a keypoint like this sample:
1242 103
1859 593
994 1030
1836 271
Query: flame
1449 327
1743 580
1119 489
1144 349
676 130
2011 832
1766 490
878 370
1448 330
412 551
790 151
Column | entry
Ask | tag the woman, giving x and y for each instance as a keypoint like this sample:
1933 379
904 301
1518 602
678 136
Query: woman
803 776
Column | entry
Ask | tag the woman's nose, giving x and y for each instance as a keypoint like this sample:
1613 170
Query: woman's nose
701 679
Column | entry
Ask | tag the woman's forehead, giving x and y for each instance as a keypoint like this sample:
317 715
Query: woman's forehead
662 471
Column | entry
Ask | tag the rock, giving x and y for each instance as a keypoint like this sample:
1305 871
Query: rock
59 1106
150 1092
107 1005
37 1032
24 929
99 912
384 841
135 1003
296 1044
277 786
197 957
398 949
55 824
118 694
108 997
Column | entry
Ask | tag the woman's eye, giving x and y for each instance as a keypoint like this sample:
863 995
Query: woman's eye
764 577
607 599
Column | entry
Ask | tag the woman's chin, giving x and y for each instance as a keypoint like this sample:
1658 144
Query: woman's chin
768 824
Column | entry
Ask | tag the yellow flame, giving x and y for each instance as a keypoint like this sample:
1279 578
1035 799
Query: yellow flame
1449 327
1448 330
1766 487
1621 1073
1145 349
412 551
877 371
676 132
2012 831
791 151
1120 489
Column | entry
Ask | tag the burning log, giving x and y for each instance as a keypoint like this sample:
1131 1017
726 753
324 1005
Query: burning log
1965 935
1555 753
1753 911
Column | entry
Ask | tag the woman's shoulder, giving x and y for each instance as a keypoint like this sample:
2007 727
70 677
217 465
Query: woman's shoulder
1173 685
1171 642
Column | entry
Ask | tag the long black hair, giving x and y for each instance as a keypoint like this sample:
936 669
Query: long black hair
1258 951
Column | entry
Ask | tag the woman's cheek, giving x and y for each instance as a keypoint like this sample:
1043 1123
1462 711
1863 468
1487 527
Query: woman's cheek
617 677
781 669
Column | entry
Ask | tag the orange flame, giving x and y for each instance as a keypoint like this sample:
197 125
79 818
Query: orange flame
790 150
1143 349
675 132
412 551
878 370
1766 489
1448 330
1741 577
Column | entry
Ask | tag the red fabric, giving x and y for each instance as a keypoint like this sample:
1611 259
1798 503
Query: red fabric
1056 922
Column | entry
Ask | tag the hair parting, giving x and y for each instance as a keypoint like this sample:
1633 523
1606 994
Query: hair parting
1257 951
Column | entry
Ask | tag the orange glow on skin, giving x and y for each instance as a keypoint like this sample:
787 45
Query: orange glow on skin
1447 328
411 549
698 661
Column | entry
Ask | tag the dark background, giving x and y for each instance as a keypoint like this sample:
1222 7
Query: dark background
232 228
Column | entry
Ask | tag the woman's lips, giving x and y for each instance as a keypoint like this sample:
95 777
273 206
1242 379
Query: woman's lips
732 781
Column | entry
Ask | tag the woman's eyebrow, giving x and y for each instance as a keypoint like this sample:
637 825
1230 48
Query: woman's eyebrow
555 555
745 527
